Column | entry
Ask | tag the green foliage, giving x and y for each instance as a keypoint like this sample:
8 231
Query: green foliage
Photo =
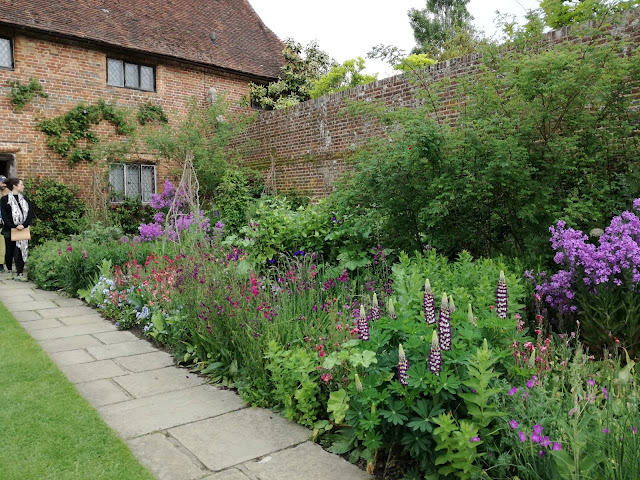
342 77
67 131
417 61
458 445
562 13
20 94
57 210
150 112
295 383
232 198
298 76
128 214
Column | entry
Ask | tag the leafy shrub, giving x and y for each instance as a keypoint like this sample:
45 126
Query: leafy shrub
129 214
57 210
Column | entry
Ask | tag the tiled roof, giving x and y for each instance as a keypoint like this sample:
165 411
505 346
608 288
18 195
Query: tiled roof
175 28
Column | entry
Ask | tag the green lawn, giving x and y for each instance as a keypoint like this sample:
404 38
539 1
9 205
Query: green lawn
47 429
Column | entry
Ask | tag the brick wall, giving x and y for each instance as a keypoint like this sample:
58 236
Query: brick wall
71 73
304 147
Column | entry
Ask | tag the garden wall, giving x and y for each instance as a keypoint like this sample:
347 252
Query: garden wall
303 148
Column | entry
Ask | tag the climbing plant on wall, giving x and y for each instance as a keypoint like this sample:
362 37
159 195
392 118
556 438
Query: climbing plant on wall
20 94
70 135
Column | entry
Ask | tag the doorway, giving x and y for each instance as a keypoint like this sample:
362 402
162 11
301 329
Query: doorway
8 165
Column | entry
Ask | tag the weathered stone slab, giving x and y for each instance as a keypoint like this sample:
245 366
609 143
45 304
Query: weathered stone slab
85 372
27 316
40 324
233 474
308 461
71 357
237 437
30 305
164 458
68 343
154 382
48 294
62 312
83 319
116 337
121 349
68 302
13 299
102 392
146 361
145 415
71 331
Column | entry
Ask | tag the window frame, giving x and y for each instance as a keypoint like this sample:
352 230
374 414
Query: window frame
124 195
139 68
11 53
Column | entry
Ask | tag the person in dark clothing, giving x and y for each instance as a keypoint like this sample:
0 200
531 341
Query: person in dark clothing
16 213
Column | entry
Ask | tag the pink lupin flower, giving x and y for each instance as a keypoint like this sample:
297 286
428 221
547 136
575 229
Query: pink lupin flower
375 309
363 325
428 304
403 366
501 296
435 355
444 324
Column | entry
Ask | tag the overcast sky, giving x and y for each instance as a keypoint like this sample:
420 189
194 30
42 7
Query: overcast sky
349 28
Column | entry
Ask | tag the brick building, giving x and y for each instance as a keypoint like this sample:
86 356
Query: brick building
165 52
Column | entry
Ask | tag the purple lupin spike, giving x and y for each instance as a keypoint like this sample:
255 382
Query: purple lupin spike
444 324
435 355
375 309
363 325
403 366
428 304
502 296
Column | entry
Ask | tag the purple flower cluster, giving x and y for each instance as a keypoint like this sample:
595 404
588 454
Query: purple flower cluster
502 296
375 308
608 264
403 366
444 324
363 325
428 304
435 355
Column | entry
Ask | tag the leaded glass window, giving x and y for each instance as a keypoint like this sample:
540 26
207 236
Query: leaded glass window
130 75
6 53
132 180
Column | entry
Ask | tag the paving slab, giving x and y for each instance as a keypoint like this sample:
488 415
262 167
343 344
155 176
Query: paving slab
234 474
68 343
102 392
145 415
12 299
308 461
71 357
237 437
86 372
121 349
62 312
68 302
164 458
27 316
146 361
83 319
154 382
119 336
40 324
48 294
71 331
30 305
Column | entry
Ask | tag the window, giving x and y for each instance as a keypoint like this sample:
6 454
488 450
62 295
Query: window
133 180
6 53
130 75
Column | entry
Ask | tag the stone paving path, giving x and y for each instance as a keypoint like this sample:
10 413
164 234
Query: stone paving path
177 425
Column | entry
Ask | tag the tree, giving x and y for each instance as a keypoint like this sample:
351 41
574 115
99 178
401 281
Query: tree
303 67
561 13
342 77
443 29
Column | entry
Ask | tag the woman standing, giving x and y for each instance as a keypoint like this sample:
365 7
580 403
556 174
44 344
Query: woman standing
16 213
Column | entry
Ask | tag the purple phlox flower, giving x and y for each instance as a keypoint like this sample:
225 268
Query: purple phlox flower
435 355
474 439
513 424
538 428
531 382
363 325
150 232
604 392
375 309
428 304
591 382
523 436
512 391
557 446
444 324
545 442
525 395
536 437
605 430
403 366
541 453
502 296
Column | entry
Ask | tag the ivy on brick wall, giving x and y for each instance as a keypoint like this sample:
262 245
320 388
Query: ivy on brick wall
151 112
67 131
20 94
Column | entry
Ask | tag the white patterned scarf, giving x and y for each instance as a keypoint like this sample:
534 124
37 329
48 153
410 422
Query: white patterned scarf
19 212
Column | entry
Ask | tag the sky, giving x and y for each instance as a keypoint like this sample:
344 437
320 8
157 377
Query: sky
350 28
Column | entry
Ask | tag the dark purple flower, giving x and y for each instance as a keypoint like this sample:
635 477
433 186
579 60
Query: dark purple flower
501 296
435 355
403 366
557 446
363 325
428 304
444 324
375 309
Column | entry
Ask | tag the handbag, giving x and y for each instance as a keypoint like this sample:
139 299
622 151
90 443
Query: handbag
17 235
